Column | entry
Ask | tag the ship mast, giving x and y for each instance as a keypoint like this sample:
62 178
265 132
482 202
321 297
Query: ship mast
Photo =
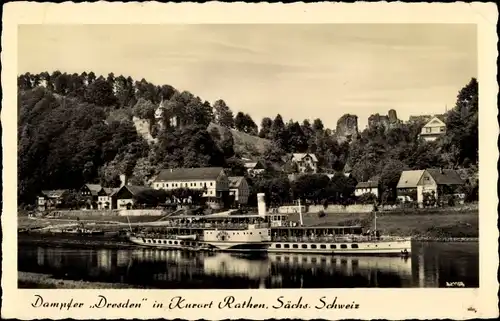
300 214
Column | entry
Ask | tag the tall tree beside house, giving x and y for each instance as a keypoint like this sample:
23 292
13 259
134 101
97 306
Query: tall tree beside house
223 114
389 177
461 140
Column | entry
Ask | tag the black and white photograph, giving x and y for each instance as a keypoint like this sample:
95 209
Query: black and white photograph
248 156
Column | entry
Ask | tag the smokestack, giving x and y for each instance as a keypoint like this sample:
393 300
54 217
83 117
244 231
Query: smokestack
123 180
261 204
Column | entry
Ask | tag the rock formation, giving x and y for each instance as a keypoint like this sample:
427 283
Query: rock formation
347 127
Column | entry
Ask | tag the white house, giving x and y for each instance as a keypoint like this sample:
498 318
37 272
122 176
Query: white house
238 187
433 129
49 199
254 167
105 199
306 163
371 186
413 185
212 180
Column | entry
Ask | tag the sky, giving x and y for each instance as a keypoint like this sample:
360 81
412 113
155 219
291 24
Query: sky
301 71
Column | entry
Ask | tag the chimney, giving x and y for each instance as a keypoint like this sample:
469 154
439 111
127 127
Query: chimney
123 180
261 204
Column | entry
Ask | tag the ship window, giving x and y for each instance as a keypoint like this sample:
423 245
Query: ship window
181 243
164 241
149 241
323 246
169 242
304 246
278 246
287 246
313 246
175 242
295 246
354 246
251 233
343 246
333 246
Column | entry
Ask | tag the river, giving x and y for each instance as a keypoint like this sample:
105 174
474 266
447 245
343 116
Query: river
432 264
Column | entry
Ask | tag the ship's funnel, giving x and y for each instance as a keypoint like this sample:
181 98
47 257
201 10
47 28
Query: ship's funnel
261 203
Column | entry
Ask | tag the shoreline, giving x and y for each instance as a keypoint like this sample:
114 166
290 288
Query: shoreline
31 280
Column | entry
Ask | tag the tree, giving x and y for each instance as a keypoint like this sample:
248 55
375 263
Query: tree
297 141
278 133
144 109
100 93
265 128
223 114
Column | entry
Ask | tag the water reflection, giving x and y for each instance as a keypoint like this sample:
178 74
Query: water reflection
431 265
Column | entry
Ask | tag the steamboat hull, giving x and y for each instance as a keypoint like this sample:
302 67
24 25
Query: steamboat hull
382 247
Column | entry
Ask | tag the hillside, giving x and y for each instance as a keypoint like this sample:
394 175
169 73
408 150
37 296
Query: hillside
245 144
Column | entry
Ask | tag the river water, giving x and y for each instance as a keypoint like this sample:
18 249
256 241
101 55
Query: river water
431 264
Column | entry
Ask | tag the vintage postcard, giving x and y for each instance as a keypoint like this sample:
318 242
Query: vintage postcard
225 161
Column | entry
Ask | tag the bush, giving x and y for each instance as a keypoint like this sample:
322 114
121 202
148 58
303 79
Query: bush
367 198
321 214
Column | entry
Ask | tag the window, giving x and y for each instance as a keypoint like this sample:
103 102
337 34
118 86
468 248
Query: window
278 246
169 242
313 246
211 184
354 246
304 246
323 246
428 130
441 129
343 246
175 242
333 246
295 246
287 246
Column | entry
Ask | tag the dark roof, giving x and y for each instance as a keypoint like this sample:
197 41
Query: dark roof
135 189
187 174
234 182
445 176
94 188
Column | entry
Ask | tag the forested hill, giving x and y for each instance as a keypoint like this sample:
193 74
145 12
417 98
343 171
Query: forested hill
78 128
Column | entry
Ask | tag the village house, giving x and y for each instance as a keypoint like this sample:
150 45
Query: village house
126 196
106 199
50 199
306 163
212 180
413 185
238 187
433 129
371 186
254 168
89 193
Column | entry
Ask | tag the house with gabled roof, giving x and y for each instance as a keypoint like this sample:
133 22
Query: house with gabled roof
413 185
370 186
50 199
433 129
304 162
239 189
89 193
106 199
212 180
126 196
254 168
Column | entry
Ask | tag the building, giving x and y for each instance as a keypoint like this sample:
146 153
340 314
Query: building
212 180
126 196
254 168
413 185
89 193
159 115
238 187
50 199
306 163
433 129
106 199
371 186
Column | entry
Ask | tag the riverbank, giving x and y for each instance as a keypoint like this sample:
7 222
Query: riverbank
29 280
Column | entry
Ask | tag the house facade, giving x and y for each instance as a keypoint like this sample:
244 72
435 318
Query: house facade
414 185
254 168
106 199
238 187
126 196
371 186
433 129
306 163
50 199
212 180
89 193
